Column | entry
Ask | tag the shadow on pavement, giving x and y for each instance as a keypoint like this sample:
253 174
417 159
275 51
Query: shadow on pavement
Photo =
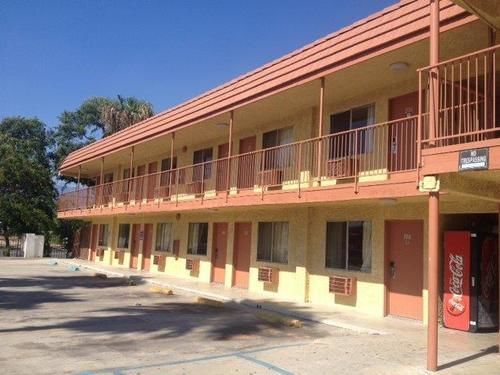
22 300
457 362
172 320
68 282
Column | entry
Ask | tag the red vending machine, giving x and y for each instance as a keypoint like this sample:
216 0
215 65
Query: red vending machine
470 298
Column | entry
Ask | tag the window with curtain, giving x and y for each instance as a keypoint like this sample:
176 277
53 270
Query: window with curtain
198 238
163 236
349 245
354 118
165 164
281 157
202 156
123 236
273 242
103 235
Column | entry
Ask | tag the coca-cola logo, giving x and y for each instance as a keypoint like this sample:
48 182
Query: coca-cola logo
456 305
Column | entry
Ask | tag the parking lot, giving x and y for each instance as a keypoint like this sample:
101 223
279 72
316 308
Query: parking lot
55 321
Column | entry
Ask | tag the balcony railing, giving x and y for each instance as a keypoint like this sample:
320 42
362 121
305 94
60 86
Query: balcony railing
364 154
466 105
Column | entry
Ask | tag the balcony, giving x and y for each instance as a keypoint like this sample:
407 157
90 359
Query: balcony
466 105
344 159
461 95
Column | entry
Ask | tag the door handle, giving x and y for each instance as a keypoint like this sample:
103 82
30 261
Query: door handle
392 266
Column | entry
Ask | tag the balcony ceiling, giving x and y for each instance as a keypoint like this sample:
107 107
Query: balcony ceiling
487 10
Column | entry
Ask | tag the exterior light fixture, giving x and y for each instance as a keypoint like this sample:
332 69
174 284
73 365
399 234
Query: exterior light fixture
222 125
399 66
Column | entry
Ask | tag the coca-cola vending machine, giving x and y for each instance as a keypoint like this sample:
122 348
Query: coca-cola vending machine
470 298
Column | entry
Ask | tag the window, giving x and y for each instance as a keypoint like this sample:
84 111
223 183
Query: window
123 236
165 164
277 158
273 242
103 235
277 137
354 118
205 170
167 178
108 178
85 236
349 245
163 236
197 238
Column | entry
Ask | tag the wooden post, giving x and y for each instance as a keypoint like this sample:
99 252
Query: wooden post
434 72
77 203
131 173
229 154
320 124
171 166
433 220
490 77
433 277
101 182
172 144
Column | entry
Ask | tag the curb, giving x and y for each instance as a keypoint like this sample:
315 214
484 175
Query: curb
210 302
273 317
217 300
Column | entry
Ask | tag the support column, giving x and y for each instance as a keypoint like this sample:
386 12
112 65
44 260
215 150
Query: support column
490 85
131 174
171 166
433 281
320 124
101 182
434 72
89 253
140 256
77 203
433 221
229 154
131 162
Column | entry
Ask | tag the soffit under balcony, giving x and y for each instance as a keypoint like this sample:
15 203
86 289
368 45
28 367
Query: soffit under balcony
487 10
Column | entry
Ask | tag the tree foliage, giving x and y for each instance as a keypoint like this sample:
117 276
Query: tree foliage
95 118
27 192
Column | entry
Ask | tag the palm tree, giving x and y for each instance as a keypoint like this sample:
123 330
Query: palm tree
124 112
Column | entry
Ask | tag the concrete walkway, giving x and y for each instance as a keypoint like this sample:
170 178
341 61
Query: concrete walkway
333 316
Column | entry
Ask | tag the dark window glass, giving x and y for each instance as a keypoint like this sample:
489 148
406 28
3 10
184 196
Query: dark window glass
348 245
205 170
123 236
273 242
103 235
197 238
165 164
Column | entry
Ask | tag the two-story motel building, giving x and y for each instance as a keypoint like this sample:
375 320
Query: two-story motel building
327 176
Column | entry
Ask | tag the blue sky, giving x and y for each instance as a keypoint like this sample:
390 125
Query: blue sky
56 53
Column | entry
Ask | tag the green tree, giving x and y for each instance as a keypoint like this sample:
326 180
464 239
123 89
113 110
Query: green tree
96 118
27 192
124 112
